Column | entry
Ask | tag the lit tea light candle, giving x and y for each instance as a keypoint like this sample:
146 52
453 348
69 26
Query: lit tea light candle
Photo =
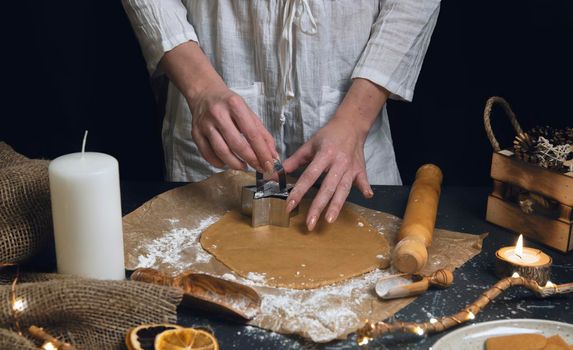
524 261
86 210
520 255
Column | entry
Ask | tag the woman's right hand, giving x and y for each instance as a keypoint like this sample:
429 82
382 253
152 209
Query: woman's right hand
225 129
228 132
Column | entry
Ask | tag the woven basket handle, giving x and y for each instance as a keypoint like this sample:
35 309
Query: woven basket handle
487 123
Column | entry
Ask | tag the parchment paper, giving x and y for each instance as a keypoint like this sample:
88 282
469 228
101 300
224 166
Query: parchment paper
164 234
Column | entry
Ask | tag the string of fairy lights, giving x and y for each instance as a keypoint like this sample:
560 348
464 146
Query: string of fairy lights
370 331
19 305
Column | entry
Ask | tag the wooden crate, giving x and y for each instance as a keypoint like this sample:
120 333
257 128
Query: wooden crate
553 226
526 198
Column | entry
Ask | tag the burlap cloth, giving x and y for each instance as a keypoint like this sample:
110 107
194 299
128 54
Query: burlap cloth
11 340
88 313
164 234
25 213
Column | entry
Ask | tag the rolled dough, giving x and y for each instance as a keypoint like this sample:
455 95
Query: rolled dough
293 257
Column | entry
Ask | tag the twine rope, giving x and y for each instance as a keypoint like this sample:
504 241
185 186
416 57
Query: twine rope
487 119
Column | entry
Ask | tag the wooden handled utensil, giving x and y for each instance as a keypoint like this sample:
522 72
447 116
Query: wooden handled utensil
405 285
207 292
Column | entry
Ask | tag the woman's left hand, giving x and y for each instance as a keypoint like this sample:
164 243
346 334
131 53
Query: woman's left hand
337 150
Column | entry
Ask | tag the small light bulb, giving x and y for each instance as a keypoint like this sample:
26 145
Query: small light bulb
19 304
49 346
363 341
549 284
418 330
433 320
515 275
471 315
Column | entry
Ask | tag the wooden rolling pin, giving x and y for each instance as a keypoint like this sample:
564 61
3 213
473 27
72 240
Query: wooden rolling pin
415 235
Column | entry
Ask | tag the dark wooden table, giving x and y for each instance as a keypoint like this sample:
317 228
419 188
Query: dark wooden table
461 209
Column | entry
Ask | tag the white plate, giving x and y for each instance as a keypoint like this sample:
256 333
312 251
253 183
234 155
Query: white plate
473 337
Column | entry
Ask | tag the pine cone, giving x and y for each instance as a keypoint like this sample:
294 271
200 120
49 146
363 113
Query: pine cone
524 147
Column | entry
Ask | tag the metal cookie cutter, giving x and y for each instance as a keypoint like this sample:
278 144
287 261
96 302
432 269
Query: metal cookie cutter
265 202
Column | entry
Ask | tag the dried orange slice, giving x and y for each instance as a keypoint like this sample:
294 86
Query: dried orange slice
143 337
186 339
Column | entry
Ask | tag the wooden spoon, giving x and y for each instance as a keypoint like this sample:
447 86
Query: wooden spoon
207 292
406 285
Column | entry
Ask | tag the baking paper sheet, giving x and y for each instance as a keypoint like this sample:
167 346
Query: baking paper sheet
164 234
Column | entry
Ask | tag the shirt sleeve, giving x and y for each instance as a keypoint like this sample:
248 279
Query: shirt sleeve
159 26
398 42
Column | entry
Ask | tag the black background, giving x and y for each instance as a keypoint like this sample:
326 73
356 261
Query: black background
75 65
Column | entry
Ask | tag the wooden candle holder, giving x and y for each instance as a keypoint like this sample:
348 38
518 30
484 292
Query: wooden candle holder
527 198
539 271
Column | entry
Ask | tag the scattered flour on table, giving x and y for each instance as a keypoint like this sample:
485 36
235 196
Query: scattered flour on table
257 277
229 277
244 305
168 249
320 312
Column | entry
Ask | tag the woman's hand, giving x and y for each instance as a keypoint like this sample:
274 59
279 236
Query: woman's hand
225 129
337 150
228 132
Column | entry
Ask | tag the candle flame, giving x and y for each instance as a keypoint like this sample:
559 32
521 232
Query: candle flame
515 275
471 315
519 246
433 320
418 330
549 284
49 346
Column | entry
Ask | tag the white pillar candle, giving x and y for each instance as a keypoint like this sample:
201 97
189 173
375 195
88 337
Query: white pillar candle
86 210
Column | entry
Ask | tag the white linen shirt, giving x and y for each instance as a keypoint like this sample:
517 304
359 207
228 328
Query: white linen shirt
292 61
